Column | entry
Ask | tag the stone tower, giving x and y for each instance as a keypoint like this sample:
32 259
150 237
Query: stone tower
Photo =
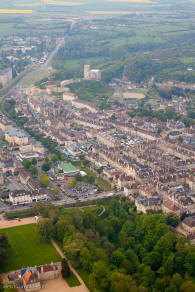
87 72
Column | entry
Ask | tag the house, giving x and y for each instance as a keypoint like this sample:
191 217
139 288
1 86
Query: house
169 207
16 136
30 279
24 176
48 272
188 225
22 197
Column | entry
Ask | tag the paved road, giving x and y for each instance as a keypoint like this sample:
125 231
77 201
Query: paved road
35 68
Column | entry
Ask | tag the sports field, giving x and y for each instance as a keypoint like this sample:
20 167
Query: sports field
68 167
27 249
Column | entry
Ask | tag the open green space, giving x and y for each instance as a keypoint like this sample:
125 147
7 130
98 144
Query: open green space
27 249
92 91
19 214
123 250
67 167
10 289
72 280
35 77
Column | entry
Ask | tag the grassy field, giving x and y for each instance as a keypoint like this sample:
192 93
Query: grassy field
10 290
34 77
84 275
27 249
72 280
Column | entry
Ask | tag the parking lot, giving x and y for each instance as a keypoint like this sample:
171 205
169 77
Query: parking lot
81 190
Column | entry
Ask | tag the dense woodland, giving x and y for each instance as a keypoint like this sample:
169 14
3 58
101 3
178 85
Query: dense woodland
122 250
164 65
136 47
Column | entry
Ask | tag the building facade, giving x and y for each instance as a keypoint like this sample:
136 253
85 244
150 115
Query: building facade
94 74
5 76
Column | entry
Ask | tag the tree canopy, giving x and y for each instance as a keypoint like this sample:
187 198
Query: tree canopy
123 250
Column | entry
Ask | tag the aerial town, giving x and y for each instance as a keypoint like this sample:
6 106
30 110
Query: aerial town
97 146
151 167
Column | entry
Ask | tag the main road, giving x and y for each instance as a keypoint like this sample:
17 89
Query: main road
33 68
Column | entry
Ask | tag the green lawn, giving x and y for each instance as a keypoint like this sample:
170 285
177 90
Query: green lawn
72 280
10 289
27 249
84 275
34 77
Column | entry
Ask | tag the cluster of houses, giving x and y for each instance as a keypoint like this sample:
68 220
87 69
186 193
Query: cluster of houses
143 158
32 278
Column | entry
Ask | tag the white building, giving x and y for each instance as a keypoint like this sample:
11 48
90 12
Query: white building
25 197
89 74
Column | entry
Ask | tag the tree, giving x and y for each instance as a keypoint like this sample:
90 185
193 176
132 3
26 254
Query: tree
160 285
65 269
92 283
44 180
86 162
91 179
56 191
113 117
33 170
1 285
54 158
176 280
26 163
78 177
172 219
86 259
34 161
46 159
117 258
187 287
46 229
4 245
180 139
72 183
100 170
121 282
45 166
62 157
126 264
100 271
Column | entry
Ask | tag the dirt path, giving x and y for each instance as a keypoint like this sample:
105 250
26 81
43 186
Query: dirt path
12 223
102 212
82 287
